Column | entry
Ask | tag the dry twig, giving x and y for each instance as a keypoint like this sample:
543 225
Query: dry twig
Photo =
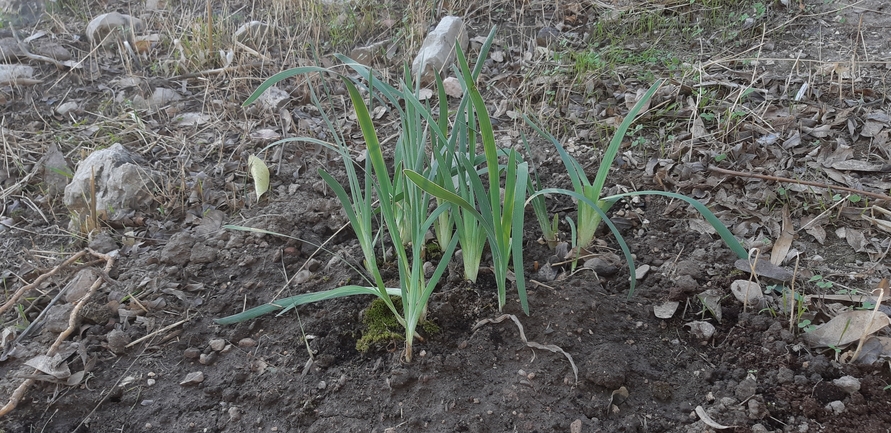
874 195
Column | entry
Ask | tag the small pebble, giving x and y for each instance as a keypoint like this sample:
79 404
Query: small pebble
207 358
191 353
848 384
217 344
234 413
193 378
247 343
836 407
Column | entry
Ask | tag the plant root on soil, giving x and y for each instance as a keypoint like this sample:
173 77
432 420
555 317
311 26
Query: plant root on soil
19 393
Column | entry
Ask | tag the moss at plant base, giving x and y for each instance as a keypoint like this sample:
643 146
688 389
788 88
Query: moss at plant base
381 329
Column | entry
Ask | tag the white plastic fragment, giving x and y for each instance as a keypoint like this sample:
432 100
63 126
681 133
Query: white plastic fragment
700 412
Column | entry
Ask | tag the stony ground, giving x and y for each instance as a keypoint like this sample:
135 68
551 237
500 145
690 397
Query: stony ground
792 91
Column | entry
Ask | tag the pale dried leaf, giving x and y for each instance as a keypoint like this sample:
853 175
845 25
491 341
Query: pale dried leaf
666 310
784 242
260 174
855 165
701 226
711 299
874 349
846 328
814 228
54 366
871 128
698 129
856 240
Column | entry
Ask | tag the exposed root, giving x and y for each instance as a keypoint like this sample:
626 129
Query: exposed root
532 344
19 393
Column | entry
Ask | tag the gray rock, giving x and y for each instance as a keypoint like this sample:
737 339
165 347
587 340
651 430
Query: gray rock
217 344
178 249
78 286
56 319
437 52
848 384
745 389
117 341
785 375
121 185
689 267
108 28
546 273
9 50
602 267
836 407
367 55
202 253
273 99
194 377
687 284
103 243
54 168
757 409
547 37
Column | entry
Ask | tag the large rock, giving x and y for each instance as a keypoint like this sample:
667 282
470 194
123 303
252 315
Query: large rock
109 28
438 51
121 185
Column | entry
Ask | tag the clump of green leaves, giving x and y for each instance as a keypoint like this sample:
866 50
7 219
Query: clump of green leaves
401 209
479 203
593 205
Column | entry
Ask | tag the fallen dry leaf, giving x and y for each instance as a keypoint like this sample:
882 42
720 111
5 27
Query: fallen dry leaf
846 328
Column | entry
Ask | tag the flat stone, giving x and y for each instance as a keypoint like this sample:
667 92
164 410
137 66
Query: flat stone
437 52
602 267
117 341
848 384
178 249
192 378
102 29
202 253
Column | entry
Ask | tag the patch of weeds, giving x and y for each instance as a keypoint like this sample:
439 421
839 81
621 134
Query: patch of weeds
606 60
821 282
806 325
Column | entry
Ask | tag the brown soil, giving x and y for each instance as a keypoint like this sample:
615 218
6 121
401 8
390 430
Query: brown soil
302 372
